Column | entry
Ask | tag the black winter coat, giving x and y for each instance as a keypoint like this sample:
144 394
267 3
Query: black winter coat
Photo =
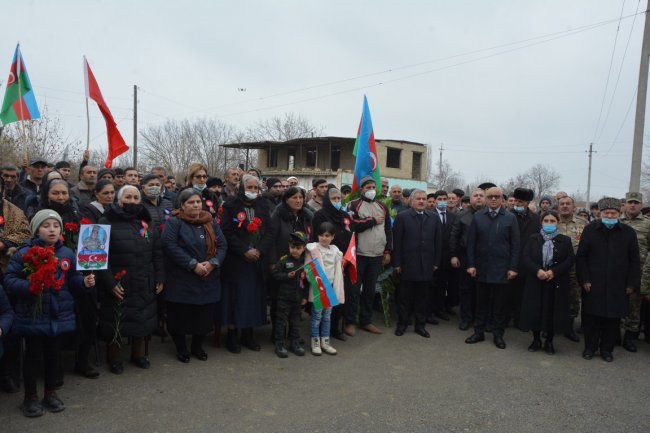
238 238
160 211
285 288
533 297
417 245
341 220
141 256
459 233
609 260
493 246
283 223
184 247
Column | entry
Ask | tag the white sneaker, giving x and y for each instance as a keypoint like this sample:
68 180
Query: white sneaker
325 345
315 346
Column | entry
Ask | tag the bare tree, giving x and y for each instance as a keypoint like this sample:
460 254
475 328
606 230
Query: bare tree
43 137
541 178
283 128
443 176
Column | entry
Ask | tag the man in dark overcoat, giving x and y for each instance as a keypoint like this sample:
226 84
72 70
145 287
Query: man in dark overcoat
417 247
609 271
493 259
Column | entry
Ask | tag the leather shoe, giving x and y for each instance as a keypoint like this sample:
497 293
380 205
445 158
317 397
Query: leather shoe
141 362
432 321
297 348
475 338
535 346
350 330
422 332
587 354
183 357
31 407
499 342
116 368
280 350
87 371
571 335
463 326
607 356
400 330
200 355
371 328
549 348
53 403
8 385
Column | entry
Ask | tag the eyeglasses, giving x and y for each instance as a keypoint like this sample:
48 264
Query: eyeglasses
493 197
200 176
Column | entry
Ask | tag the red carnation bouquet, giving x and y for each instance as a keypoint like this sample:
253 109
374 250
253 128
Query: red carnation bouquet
39 265
254 228
71 235
117 336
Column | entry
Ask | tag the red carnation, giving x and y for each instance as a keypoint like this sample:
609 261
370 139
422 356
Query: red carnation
71 227
85 220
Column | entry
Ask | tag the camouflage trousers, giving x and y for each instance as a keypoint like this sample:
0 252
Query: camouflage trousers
632 322
575 294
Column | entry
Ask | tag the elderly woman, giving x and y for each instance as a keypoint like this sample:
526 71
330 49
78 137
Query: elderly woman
135 276
332 212
244 222
104 198
546 261
194 250
55 195
197 179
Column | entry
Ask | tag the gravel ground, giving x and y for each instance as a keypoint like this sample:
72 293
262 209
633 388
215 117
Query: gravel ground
376 383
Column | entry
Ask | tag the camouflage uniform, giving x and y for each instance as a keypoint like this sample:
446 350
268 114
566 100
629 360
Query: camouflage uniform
573 229
641 226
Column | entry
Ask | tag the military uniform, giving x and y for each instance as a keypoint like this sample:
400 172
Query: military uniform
573 229
287 295
641 226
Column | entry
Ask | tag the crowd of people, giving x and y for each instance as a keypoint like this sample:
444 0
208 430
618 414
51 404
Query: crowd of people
228 255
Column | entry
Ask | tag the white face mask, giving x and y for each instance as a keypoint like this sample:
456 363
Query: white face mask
250 195
370 194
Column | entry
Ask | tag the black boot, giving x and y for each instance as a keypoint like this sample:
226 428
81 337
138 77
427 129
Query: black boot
628 341
232 341
571 335
248 340
280 350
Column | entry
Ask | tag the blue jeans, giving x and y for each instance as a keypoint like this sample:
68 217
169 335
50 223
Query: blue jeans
320 322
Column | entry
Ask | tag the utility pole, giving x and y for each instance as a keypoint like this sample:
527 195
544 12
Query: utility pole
440 159
637 146
135 125
590 152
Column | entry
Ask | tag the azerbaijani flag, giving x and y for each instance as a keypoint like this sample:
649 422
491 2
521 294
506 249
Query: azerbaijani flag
19 102
365 150
92 261
324 296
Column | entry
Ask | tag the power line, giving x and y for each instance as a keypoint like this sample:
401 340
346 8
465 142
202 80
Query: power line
627 113
618 77
609 72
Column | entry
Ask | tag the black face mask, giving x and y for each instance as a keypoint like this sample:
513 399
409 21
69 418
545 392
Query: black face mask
132 209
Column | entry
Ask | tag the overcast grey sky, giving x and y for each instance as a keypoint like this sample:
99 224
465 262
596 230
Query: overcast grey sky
497 111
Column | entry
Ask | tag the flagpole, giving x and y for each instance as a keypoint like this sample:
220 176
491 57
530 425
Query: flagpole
19 63
87 110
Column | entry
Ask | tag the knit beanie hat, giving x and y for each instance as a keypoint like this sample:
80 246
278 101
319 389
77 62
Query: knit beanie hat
41 216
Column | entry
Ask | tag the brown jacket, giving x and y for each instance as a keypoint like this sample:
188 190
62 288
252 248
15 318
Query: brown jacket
14 230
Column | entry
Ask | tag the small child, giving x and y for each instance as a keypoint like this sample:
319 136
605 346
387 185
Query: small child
330 259
289 295
41 319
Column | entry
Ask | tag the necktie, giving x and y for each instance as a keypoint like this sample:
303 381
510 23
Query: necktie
444 218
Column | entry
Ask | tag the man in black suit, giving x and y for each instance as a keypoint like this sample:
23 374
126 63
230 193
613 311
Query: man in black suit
417 250
493 259
445 282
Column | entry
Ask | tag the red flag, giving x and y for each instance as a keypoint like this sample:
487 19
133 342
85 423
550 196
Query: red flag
116 144
351 258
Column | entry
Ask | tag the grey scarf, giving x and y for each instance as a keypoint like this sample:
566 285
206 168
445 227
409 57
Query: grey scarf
547 248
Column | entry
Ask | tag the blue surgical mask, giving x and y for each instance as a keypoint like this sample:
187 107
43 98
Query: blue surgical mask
609 222
442 205
199 188
337 205
549 228
519 209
